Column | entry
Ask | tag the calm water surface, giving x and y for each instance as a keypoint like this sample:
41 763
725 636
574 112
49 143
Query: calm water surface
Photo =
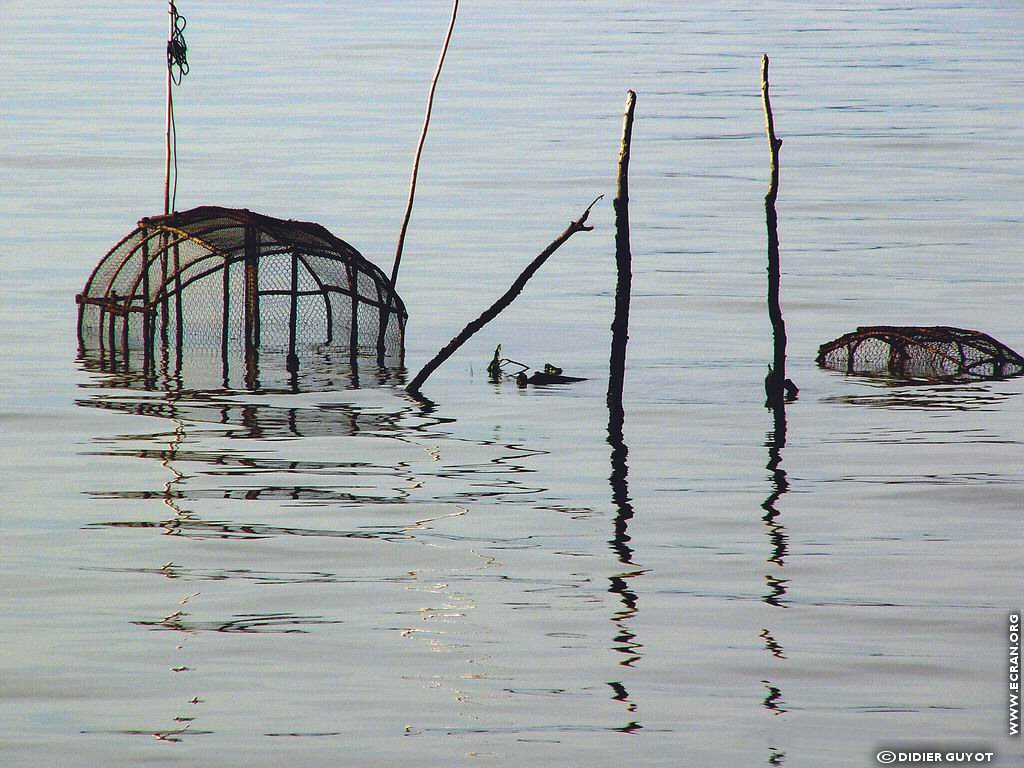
341 576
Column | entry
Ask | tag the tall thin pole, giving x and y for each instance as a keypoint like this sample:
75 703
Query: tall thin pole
623 262
776 381
167 114
386 309
626 640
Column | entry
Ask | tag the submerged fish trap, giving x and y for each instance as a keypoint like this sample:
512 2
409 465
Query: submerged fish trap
239 282
936 352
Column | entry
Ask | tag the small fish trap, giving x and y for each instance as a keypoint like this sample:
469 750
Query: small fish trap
239 282
936 352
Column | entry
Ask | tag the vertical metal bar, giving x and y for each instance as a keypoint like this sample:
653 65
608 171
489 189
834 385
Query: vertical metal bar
226 318
149 351
330 317
81 317
382 333
147 330
160 304
164 316
353 331
125 320
401 339
293 316
179 322
110 331
99 327
251 288
252 306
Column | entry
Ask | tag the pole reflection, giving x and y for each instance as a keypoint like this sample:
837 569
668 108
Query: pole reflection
778 550
625 641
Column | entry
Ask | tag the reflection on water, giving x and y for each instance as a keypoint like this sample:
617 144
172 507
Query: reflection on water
775 442
251 420
278 623
200 370
174 571
223 451
772 645
778 540
170 735
625 640
776 591
901 395
773 699
188 525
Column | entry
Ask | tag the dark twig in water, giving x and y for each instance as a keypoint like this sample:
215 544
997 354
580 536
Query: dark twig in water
777 387
579 225
385 314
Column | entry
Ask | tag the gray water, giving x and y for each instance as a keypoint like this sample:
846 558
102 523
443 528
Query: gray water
340 576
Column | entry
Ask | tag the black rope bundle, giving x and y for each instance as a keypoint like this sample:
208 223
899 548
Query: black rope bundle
177 50
177 68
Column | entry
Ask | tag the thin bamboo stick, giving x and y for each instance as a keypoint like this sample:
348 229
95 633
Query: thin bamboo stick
386 310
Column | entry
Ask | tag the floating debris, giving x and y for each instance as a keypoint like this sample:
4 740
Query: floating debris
499 368
550 375
494 370
935 352
539 378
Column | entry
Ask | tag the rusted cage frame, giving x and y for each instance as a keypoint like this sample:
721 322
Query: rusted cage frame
933 340
168 232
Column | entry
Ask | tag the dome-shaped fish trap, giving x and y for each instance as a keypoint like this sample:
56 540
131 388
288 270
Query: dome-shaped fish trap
238 282
936 352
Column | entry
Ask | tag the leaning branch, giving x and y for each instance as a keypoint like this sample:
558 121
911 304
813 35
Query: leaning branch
579 225
412 183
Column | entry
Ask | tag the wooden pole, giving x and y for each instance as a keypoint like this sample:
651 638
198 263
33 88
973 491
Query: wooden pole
625 639
623 263
386 309
776 383
579 225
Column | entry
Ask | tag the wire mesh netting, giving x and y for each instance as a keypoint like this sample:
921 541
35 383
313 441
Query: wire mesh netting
237 281
936 352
